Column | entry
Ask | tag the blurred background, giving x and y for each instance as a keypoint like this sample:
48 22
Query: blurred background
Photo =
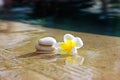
89 16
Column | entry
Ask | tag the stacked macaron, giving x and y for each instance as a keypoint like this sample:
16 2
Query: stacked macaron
46 45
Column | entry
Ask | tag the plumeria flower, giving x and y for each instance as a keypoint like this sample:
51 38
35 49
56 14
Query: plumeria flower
69 46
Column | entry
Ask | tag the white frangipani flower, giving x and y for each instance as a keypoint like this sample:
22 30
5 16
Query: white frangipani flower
69 46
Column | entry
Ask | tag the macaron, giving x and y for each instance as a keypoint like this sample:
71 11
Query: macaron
49 41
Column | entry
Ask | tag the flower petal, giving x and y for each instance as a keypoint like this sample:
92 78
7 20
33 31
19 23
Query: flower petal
59 49
68 36
74 51
79 42
56 45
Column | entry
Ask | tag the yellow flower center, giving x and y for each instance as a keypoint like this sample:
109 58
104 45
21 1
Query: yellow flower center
68 46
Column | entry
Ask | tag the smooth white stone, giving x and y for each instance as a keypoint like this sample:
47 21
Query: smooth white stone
45 52
47 41
45 48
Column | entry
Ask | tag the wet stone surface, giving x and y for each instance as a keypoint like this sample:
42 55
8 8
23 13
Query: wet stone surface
18 60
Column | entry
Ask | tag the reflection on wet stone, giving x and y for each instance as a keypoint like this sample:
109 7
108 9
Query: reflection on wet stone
55 58
47 68
70 60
